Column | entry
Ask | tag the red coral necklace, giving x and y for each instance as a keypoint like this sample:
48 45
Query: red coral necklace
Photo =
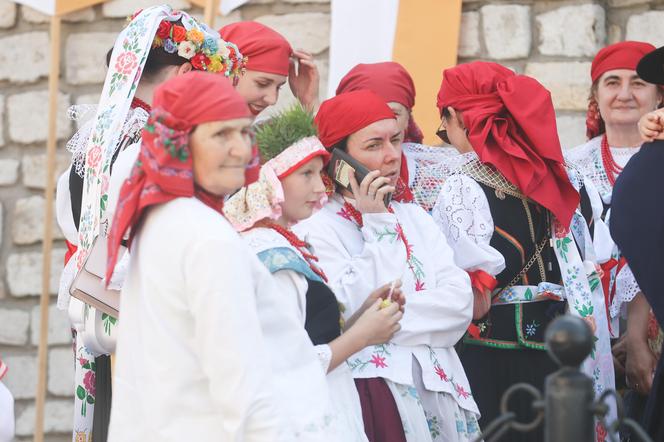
299 245
611 168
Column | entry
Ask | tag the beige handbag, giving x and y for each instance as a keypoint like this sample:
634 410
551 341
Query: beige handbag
89 285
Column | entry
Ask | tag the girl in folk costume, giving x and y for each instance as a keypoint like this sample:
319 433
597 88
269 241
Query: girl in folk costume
234 347
157 44
619 97
413 387
511 213
271 62
421 165
289 190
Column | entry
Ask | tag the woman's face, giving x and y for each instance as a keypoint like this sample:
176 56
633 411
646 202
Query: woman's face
303 190
623 98
221 151
260 89
402 113
378 147
452 122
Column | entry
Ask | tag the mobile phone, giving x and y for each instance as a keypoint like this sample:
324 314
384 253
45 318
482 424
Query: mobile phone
341 164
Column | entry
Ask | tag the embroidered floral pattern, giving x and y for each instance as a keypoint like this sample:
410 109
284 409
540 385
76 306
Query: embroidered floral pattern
109 321
414 264
434 425
378 357
86 389
458 388
531 329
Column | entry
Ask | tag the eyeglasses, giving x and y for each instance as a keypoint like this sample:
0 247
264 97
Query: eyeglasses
442 133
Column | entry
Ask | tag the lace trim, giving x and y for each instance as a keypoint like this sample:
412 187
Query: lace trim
626 290
489 176
84 113
587 159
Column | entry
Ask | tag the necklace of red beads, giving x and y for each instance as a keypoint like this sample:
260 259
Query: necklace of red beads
296 242
611 168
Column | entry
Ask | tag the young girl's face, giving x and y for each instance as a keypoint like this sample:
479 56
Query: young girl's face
303 190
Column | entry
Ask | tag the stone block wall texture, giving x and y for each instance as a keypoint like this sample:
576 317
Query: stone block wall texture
553 41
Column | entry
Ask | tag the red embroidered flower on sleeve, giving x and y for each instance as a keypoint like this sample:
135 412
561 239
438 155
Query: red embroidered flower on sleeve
441 374
461 391
378 361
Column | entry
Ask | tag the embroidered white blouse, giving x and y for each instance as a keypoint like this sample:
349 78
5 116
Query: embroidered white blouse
587 159
438 293
206 344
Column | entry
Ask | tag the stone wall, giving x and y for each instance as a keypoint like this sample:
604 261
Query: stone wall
551 40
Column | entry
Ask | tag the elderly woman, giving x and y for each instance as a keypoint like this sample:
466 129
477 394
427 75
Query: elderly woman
619 97
511 214
206 344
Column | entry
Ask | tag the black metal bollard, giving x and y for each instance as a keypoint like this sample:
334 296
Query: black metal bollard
569 393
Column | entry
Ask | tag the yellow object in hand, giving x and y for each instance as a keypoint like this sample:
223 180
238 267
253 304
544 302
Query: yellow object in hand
385 303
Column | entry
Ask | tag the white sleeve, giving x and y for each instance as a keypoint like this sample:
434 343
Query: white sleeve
626 289
293 284
437 316
353 277
228 339
122 167
463 215
290 282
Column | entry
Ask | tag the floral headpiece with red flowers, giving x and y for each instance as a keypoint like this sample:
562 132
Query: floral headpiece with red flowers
198 43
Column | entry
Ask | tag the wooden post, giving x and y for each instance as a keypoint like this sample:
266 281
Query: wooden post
53 77
426 42
211 9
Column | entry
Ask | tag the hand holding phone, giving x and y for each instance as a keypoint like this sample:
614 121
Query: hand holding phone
373 194
371 191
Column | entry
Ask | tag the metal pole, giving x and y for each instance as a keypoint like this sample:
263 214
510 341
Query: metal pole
54 74
569 415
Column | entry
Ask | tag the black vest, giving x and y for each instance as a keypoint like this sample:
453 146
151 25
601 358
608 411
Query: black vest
519 226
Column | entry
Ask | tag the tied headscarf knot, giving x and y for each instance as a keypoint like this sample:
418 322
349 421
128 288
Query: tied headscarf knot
512 126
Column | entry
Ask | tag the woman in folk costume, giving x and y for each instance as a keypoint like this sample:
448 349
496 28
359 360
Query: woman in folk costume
269 66
239 365
266 64
291 189
157 44
413 387
511 213
420 164
619 97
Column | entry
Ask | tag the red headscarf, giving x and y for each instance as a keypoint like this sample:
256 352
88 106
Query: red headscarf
623 55
391 81
512 126
346 114
267 50
163 170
